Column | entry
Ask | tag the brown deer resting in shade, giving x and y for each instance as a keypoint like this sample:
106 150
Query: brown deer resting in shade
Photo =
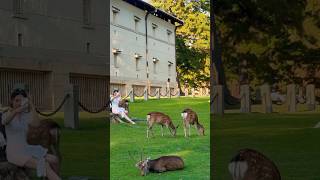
249 164
161 119
159 165
191 118
47 134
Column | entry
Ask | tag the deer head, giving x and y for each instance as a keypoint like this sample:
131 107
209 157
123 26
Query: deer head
200 129
173 130
143 165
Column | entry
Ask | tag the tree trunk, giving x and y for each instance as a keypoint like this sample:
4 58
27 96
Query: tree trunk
216 63
178 81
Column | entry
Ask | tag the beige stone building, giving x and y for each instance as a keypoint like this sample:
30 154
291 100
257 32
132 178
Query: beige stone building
50 44
142 48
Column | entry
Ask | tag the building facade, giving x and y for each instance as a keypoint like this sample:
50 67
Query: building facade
142 50
49 44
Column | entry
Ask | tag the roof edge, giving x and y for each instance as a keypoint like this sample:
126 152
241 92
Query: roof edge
155 11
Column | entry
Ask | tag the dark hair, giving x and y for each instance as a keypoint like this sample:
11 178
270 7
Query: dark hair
116 90
17 92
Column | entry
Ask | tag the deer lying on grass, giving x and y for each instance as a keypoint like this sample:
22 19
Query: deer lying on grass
191 118
249 164
159 165
161 119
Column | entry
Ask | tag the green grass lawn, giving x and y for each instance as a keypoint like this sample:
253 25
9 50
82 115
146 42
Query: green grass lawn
84 151
286 138
195 150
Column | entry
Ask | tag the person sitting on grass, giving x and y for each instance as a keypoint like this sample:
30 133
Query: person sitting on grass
115 100
17 120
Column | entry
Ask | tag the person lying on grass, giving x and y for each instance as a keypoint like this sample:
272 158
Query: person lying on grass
17 120
115 100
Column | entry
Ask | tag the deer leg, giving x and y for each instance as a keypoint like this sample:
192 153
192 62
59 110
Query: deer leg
169 129
162 130
185 129
117 118
162 169
148 130
189 129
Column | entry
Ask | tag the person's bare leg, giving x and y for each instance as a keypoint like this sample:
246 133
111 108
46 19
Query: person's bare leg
54 162
128 119
51 175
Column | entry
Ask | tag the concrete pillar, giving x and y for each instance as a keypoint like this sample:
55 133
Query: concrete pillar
310 97
145 93
291 97
129 92
186 91
218 100
266 98
131 95
158 93
245 98
71 107
168 90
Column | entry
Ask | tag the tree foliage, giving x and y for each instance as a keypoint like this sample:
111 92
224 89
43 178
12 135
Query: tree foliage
276 37
193 39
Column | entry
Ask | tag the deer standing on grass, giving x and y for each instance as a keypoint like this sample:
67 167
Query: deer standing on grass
159 165
249 164
191 118
161 119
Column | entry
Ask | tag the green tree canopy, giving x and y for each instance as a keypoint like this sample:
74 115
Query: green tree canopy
193 39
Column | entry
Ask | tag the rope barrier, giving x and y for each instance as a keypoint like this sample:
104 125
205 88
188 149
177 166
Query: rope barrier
174 94
90 111
164 95
58 109
213 98
149 94
127 95
138 95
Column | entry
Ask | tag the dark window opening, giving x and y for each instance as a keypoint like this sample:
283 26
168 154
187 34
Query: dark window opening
20 40
88 47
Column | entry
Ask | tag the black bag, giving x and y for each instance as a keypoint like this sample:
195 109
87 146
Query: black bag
3 156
